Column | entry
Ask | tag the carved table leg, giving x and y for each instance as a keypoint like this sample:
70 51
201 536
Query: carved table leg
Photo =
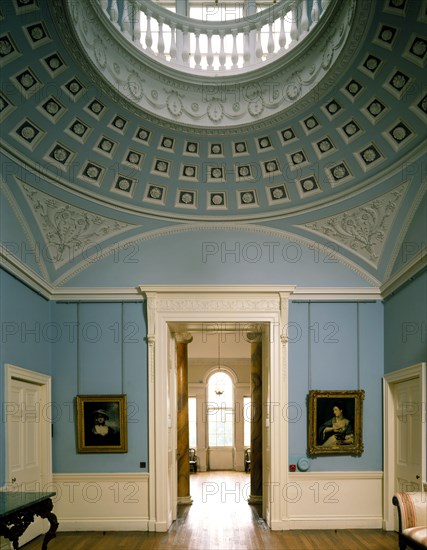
45 512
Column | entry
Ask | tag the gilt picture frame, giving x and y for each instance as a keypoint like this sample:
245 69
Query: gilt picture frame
335 422
102 423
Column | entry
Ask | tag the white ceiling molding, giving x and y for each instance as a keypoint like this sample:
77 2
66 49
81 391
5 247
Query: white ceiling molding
405 274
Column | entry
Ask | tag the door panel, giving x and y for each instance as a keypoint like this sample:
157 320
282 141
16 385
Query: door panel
408 426
24 450
266 436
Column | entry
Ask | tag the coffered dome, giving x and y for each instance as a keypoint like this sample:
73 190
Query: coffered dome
336 124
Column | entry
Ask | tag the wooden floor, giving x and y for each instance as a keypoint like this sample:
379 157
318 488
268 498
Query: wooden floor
221 520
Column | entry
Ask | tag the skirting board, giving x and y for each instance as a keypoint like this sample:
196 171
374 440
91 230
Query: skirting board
101 502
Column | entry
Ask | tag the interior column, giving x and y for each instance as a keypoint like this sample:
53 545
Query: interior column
256 418
182 340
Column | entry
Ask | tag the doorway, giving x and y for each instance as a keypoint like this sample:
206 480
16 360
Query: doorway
28 436
184 308
404 435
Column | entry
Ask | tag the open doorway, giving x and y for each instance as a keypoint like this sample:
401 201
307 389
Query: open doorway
175 309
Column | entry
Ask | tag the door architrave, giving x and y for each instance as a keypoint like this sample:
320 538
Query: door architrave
13 372
389 440
171 306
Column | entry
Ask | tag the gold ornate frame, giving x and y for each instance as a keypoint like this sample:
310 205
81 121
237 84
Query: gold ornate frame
331 435
112 436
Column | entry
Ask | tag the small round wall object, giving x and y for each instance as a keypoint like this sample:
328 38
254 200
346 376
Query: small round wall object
303 464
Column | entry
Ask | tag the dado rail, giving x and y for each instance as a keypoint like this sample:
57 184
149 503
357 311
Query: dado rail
236 39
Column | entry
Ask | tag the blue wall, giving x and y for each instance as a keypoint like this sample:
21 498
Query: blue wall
405 325
336 346
25 325
91 348
101 350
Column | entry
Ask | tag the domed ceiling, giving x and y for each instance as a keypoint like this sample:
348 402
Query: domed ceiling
341 163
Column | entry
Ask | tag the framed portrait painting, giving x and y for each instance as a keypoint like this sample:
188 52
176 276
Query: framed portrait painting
335 422
101 424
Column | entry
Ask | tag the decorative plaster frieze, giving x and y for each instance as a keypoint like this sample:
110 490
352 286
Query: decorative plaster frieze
365 229
69 231
217 304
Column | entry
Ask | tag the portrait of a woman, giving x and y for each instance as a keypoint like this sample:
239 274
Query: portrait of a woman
338 429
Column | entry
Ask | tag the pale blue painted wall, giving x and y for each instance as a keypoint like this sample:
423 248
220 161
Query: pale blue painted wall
415 241
336 346
25 328
405 325
107 355
217 256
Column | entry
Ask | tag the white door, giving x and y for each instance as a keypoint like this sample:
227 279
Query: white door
172 434
408 428
266 434
25 466
28 437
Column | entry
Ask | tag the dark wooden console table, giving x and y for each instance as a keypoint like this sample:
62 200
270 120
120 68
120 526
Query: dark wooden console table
17 511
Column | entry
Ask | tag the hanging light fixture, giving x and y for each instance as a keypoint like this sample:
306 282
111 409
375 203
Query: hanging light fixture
219 384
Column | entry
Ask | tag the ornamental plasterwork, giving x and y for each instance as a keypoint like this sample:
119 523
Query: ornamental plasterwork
223 304
199 105
365 229
69 231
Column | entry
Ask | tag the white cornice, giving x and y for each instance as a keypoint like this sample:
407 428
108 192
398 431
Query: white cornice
22 272
405 273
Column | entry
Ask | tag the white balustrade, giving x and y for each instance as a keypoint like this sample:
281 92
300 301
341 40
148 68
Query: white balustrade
214 45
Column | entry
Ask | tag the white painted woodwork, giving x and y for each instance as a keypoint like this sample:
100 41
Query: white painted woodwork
408 427
394 432
101 502
28 437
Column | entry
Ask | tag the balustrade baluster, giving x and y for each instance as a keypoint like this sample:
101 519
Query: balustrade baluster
148 35
304 23
173 50
258 47
197 54
161 40
222 56
282 34
114 11
209 56
315 12
186 47
136 24
125 23
246 48
234 54
294 26
270 43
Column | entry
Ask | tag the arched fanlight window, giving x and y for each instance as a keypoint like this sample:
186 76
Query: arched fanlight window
220 409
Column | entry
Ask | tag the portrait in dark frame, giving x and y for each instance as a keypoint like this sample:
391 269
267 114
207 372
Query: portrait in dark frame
101 424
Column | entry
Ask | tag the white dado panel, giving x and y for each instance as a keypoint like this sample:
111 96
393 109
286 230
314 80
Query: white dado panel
334 500
101 502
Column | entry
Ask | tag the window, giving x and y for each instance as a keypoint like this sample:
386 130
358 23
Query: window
192 421
247 417
220 410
